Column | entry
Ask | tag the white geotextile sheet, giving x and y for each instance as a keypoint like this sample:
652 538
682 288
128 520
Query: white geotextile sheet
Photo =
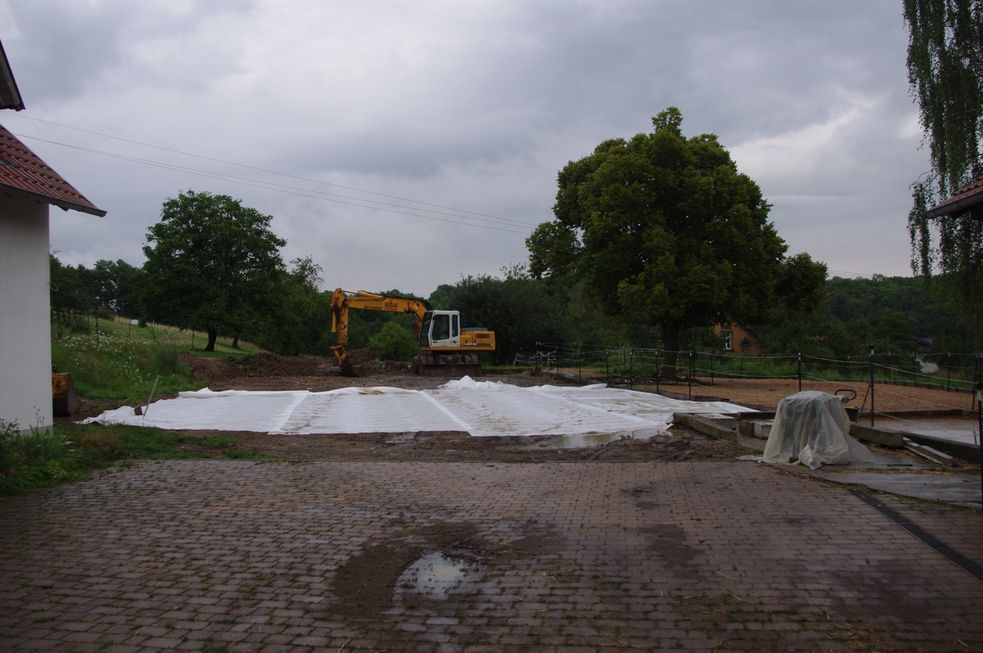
480 408
813 428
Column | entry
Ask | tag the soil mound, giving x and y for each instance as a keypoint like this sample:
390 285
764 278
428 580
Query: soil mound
256 365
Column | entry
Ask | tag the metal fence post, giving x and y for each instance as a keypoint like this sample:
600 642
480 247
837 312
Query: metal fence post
872 385
689 392
800 371
979 430
978 383
711 367
658 371
631 367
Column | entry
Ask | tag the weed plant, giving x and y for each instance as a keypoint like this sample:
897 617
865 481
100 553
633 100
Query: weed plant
43 457
34 459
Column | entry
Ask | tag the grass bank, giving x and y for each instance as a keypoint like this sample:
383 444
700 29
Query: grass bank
117 360
71 452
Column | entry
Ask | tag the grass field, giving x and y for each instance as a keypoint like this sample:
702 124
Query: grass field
114 359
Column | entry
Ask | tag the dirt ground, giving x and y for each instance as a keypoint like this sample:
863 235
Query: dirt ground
765 394
269 372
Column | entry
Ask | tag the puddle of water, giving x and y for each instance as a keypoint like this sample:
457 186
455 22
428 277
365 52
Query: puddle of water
437 574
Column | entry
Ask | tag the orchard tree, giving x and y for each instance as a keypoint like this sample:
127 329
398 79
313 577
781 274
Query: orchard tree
212 264
663 230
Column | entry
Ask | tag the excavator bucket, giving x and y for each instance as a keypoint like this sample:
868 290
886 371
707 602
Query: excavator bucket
65 401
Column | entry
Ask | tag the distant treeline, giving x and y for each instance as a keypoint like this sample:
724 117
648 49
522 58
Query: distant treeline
894 314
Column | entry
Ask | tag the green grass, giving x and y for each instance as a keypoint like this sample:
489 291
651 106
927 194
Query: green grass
70 452
115 360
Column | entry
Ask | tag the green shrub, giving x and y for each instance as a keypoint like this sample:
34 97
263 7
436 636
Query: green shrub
394 342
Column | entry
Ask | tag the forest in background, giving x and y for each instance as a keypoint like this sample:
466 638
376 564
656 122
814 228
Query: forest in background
899 315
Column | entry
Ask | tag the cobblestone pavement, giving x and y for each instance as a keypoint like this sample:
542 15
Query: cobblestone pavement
244 556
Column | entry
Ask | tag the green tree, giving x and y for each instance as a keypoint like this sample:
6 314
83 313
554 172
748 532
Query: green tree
212 264
945 72
520 310
117 286
663 230
394 342
72 288
299 317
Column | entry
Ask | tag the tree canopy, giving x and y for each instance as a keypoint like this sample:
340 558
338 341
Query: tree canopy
212 264
945 72
663 229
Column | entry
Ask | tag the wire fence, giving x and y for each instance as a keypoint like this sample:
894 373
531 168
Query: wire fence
630 366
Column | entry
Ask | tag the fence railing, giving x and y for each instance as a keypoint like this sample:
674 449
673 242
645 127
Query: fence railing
958 372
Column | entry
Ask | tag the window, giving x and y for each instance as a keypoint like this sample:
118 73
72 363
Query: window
441 327
425 329
728 337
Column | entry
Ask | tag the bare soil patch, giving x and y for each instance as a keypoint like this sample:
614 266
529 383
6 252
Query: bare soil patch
766 393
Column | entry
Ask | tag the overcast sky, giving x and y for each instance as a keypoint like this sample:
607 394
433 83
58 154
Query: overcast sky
403 144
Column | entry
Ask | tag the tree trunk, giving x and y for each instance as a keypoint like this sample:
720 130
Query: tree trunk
235 342
670 338
212 337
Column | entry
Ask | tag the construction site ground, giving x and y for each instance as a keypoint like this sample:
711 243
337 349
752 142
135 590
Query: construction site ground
440 542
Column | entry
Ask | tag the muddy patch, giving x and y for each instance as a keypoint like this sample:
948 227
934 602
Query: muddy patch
668 542
428 566
366 584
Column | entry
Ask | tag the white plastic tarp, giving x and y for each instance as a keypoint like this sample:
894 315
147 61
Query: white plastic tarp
480 408
812 428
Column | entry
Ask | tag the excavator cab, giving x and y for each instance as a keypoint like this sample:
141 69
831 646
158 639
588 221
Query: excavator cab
441 329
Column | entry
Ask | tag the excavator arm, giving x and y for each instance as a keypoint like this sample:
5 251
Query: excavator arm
342 301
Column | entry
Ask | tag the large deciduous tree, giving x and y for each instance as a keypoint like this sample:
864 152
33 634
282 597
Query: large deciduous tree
664 230
212 264
945 71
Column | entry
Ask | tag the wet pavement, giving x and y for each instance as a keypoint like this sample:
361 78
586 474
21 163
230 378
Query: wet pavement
956 429
561 557
897 472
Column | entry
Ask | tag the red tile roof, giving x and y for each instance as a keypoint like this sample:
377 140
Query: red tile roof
23 173
965 198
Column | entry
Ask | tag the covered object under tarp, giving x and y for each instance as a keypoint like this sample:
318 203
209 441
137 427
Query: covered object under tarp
812 428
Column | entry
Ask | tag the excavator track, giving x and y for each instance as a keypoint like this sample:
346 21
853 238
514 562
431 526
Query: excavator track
430 363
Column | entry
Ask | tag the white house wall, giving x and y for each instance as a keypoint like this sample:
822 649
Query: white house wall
25 327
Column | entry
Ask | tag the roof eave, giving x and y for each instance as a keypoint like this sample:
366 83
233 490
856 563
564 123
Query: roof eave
957 206
62 204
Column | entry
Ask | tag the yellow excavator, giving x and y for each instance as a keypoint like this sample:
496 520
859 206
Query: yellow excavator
445 347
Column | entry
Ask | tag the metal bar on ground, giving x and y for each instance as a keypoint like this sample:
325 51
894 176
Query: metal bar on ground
921 534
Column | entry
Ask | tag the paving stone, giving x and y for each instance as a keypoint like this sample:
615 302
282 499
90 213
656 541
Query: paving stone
192 555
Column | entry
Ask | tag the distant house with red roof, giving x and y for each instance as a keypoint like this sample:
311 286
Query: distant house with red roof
28 187
737 339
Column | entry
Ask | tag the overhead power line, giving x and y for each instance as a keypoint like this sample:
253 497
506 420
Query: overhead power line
456 212
283 188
